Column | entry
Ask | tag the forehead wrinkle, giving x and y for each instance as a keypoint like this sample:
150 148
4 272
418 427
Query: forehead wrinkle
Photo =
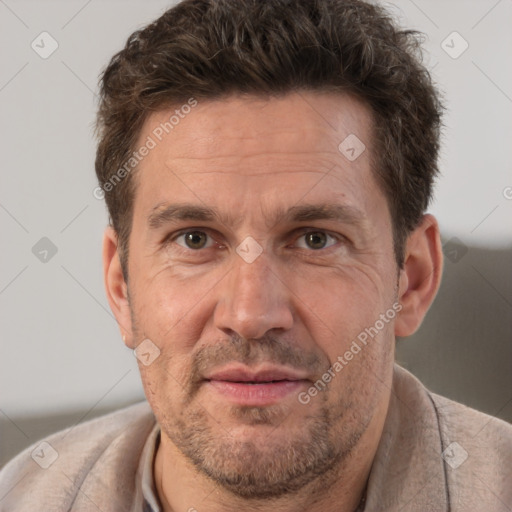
314 165
285 153
255 174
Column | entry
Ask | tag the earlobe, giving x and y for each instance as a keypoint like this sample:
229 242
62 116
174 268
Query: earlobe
421 276
115 284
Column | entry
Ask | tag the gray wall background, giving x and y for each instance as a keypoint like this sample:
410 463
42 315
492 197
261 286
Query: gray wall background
61 357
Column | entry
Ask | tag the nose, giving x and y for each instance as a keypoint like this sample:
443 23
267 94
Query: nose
253 300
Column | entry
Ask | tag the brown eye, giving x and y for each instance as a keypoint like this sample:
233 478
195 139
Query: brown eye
315 239
195 239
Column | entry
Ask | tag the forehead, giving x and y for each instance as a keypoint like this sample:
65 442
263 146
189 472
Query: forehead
296 123
244 146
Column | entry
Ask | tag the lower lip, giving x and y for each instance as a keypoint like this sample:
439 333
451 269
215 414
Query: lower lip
256 394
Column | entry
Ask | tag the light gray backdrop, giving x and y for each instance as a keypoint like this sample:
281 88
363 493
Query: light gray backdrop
62 360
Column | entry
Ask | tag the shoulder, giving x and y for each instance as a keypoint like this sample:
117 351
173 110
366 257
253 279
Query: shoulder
455 420
477 452
481 433
53 471
468 450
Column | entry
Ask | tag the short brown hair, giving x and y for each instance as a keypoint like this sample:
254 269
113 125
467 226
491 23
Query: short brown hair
211 48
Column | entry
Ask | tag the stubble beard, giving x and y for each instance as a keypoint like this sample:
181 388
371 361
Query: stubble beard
283 464
280 465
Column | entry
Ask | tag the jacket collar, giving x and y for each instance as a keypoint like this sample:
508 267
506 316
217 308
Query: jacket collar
408 471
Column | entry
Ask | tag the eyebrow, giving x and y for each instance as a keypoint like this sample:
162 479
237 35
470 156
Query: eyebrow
171 213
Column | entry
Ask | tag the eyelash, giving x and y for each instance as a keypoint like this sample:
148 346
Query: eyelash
304 231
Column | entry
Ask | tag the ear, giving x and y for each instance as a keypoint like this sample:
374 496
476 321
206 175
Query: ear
421 276
115 285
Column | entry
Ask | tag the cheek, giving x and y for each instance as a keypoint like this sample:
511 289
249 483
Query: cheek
342 299
342 311
165 381
168 307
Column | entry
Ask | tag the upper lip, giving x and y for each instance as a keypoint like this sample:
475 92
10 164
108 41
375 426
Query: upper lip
264 374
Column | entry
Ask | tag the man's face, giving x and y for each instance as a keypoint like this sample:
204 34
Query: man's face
252 305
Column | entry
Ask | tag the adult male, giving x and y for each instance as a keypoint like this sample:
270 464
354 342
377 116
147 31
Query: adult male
267 167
